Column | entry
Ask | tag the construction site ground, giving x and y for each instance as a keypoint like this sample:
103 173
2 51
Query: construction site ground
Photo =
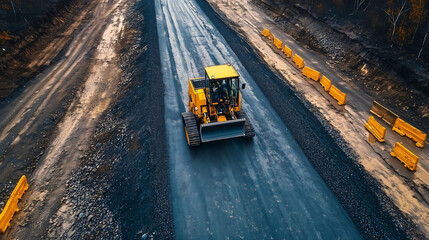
97 130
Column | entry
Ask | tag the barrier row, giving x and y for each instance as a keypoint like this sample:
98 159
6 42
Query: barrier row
399 126
12 204
306 71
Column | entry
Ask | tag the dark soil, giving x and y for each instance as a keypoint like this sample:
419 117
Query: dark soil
25 45
360 194
16 15
396 80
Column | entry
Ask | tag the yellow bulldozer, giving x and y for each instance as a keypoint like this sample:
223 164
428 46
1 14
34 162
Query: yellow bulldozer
215 111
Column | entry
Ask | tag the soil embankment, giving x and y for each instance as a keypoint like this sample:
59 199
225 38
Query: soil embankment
36 45
396 80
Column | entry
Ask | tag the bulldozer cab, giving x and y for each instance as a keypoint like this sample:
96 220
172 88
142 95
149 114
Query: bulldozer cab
223 91
222 85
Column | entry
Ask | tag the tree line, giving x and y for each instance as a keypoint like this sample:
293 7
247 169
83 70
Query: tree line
401 23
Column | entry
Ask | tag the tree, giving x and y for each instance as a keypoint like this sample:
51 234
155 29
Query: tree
358 4
423 43
417 13
394 14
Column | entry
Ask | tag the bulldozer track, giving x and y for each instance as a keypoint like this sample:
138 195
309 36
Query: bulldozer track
191 129
249 131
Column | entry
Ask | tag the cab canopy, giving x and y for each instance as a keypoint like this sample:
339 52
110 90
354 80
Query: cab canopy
221 72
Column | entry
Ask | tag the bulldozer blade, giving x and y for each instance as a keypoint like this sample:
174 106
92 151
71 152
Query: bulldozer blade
222 130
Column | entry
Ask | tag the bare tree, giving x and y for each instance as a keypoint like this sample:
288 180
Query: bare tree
310 5
13 7
369 3
395 15
423 43
422 4
357 5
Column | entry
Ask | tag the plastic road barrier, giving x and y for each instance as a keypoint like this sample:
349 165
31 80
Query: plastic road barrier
272 37
12 204
404 128
405 156
287 51
311 73
298 61
266 32
278 43
338 95
383 113
326 83
376 129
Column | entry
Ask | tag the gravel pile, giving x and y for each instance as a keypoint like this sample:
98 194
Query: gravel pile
84 202
334 49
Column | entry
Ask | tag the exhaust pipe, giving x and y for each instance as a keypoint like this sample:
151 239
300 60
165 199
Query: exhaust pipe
222 130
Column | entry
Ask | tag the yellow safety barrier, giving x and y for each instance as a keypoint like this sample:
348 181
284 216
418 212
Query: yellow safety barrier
298 61
376 129
278 43
405 156
326 83
404 128
383 113
266 32
12 204
287 51
4 36
338 95
272 37
311 73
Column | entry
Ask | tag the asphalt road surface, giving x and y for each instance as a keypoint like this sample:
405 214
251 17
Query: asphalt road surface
260 189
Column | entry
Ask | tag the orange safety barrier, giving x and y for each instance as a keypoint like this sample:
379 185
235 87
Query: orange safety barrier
383 113
272 37
404 128
338 95
12 204
326 83
404 155
287 51
4 36
376 129
278 43
311 73
298 61
266 32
